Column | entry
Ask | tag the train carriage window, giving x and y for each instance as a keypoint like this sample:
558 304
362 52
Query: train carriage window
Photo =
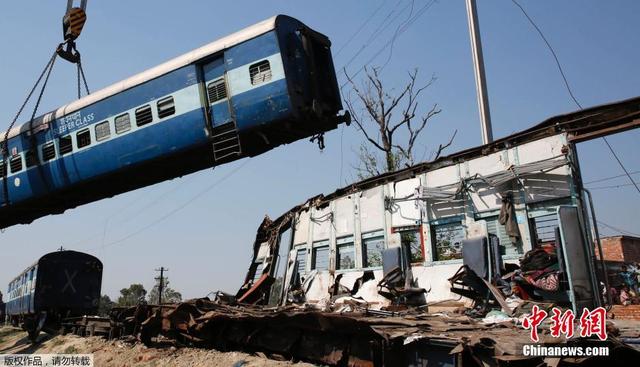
166 107
260 72
83 138
143 115
30 158
64 144
48 152
103 131
217 91
123 123
15 164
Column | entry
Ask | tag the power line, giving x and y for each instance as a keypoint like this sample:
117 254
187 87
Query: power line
175 210
382 4
566 83
623 231
611 177
621 165
612 186
381 28
408 24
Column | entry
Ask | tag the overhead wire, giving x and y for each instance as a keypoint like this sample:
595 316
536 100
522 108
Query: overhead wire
610 178
408 24
377 32
175 210
612 186
620 230
568 87
362 26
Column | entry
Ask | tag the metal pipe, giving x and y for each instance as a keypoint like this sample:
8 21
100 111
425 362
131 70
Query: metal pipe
478 65
597 235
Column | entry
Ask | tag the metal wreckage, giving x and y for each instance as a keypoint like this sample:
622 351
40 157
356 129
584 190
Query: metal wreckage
435 264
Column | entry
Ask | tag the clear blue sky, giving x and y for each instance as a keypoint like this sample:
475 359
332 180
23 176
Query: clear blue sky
207 244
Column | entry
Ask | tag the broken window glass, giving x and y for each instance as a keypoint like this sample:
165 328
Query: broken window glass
447 239
345 253
411 240
373 244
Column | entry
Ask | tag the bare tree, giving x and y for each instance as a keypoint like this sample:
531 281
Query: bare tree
381 115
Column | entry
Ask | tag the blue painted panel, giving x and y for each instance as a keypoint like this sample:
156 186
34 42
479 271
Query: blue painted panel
153 141
220 112
252 50
262 105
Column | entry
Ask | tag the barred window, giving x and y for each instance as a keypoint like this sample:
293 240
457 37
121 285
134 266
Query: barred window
166 107
64 144
260 72
123 123
15 163
48 152
320 255
83 138
301 260
30 158
103 131
2 167
216 91
143 115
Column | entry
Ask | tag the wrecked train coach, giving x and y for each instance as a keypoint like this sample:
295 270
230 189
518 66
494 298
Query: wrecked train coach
410 237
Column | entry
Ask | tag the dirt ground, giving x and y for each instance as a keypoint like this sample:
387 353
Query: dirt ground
120 354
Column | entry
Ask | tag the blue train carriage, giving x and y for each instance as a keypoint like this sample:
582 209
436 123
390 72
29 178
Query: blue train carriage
270 84
60 284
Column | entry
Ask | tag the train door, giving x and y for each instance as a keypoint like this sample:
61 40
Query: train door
225 138
216 89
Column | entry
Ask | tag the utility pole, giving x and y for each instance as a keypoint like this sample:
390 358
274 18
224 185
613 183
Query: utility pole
161 285
478 65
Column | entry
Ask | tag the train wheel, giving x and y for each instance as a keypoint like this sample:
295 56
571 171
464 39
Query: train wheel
33 335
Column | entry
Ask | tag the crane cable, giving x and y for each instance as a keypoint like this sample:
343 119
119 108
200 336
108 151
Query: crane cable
46 72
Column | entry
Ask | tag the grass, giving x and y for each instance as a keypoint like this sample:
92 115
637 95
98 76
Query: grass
70 350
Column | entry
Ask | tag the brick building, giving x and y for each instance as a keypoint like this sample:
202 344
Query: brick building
621 249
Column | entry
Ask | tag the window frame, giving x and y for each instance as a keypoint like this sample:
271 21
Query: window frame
139 111
170 111
216 83
78 137
48 147
324 245
264 75
344 242
115 123
434 225
30 158
16 157
368 238
60 146
108 130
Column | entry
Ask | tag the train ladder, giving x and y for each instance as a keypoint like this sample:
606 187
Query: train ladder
226 142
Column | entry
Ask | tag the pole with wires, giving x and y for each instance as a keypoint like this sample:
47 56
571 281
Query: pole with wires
160 280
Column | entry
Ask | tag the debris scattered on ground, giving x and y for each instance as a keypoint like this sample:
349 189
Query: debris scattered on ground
118 353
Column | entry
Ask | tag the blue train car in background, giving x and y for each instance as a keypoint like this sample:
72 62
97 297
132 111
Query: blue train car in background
60 284
270 84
